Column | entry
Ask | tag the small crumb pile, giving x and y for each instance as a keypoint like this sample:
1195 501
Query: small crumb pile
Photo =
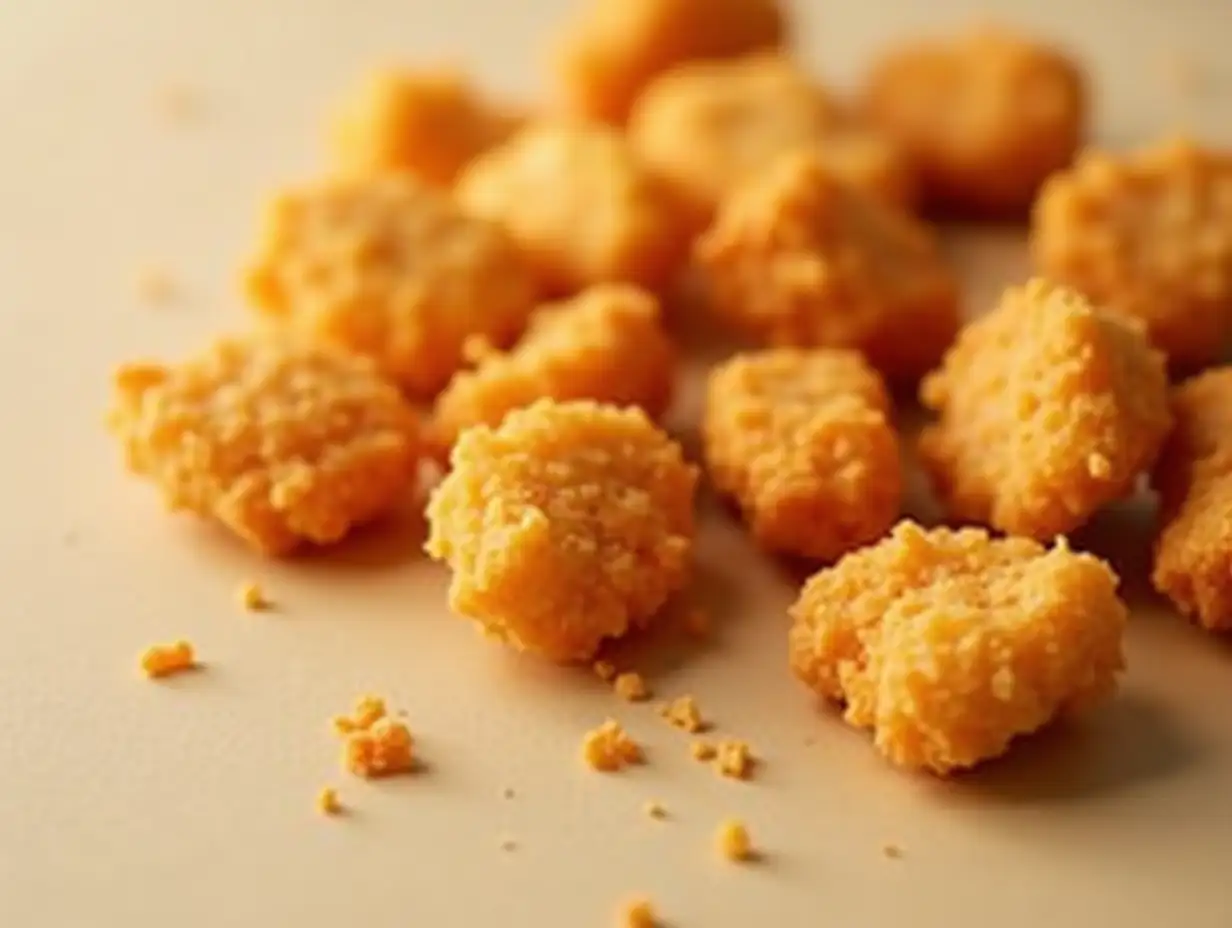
609 748
734 759
252 597
376 745
683 713
163 660
631 687
655 809
733 841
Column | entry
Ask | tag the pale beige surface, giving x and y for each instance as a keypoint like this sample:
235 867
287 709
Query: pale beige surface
191 803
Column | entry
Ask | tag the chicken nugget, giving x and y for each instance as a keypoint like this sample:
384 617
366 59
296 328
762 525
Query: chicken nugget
1048 409
949 644
802 441
567 524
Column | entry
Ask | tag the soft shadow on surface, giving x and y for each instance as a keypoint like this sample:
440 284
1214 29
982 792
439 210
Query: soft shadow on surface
989 258
392 541
1123 535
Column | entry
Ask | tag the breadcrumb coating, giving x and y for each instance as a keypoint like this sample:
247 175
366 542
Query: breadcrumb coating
1048 409
609 748
611 50
390 268
802 440
733 841
607 344
581 205
796 257
1149 234
568 524
280 441
384 748
164 660
947 644
985 116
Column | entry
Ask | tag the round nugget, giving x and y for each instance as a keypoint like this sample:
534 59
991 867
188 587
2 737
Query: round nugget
282 442
1049 408
390 268
803 442
949 644
1148 234
607 345
796 257
607 54
581 205
568 524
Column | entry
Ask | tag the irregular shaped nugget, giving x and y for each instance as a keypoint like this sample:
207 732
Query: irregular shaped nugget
280 441
802 440
606 344
612 49
796 257
568 524
949 644
390 268
985 116
580 204
1193 553
1148 234
1049 408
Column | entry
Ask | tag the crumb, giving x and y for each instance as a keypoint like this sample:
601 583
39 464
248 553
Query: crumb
804 442
368 711
508 844
948 644
180 104
697 622
604 670
1025 398
631 687
161 660
156 287
384 748
638 915
702 750
327 801
567 525
654 809
252 597
609 748
734 759
683 713
508 792
733 841
892 851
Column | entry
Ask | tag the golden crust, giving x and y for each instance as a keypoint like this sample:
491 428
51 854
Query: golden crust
949 644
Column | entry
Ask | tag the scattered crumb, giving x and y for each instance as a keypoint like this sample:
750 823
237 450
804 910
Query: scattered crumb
156 287
162 660
71 538
697 623
368 710
604 670
508 792
733 759
252 597
384 749
702 750
609 748
631 687
733 840
508 844
327 801
892 851
639 914
180 104
683 713
655 809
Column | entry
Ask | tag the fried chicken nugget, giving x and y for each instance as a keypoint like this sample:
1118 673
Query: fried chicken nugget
985 116
282 442
568 524
949 644
606 344
605 57
802 440
1148 234
796 257
1049 408
388 267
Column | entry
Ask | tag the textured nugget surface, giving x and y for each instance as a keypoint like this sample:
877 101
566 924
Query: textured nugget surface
568 524
801 439
949 644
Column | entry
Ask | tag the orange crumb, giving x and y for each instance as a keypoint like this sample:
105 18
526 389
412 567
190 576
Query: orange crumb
631 687
384 749
609 748
155 286
368 710
733 840
733 759
164 660
639 914
892 851
683 713
508 844
604 670
252 597
327 801
655 809
702 750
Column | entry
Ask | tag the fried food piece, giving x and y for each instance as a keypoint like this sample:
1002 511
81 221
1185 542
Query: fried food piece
1148 234
280 441
802 440
429 122
1193 552
949 644
612 49
568 524
606 344
609 748
390 268
165 660
796 257
1049 408
383 749
581 205
985 116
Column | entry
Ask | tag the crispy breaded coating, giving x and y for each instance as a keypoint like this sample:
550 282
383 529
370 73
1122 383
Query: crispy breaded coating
797 257
430 122
390 268
606 344
568 524
607 54
802 440
733 841
1193 552
985 116
581 205
1048 409
280 441
1148 234
948 644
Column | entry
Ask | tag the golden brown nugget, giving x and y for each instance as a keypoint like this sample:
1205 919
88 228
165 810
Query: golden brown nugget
568 524
1048 409
798 258
802 440
1148 234
612 49
985 116
390 268
280 441
606 344
949 644
581 205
